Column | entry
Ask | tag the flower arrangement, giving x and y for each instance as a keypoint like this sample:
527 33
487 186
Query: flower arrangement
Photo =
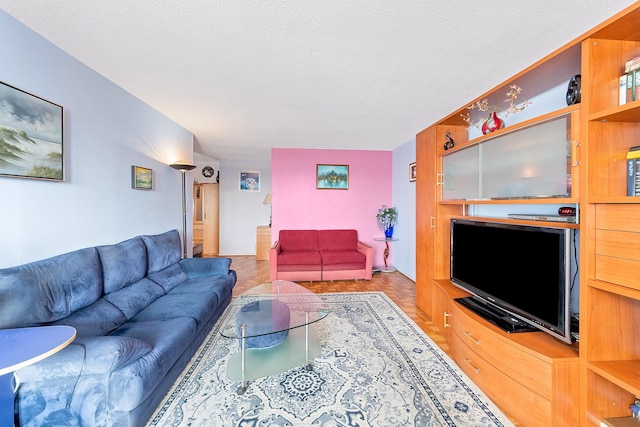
483 105
387 217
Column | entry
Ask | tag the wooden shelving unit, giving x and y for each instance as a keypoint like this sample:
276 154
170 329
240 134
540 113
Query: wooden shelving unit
608 362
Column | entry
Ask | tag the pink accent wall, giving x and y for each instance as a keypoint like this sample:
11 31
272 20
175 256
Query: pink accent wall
297 204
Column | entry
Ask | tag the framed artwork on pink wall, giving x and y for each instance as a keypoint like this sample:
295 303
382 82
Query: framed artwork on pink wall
332 177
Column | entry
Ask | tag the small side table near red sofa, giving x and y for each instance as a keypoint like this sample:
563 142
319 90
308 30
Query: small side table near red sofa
320 255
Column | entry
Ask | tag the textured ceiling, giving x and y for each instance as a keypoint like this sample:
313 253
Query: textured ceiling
246 76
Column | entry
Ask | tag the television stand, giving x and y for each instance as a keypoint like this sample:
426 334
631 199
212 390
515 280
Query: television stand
495 315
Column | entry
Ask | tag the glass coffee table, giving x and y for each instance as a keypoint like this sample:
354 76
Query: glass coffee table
272 330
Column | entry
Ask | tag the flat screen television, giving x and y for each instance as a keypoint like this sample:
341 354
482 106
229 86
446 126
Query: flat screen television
519 275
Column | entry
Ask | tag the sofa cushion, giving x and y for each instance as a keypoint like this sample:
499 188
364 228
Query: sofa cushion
135 297
343 257
338 240
48 290
163 250
298 240
99 318
300 258
170 277
197 306
105 354
123 263
140 378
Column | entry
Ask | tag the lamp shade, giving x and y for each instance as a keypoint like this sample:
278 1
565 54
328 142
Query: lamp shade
267 200
182 165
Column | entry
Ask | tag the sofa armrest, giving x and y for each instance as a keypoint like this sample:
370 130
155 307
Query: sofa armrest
368 252
205 267
273 260
87 355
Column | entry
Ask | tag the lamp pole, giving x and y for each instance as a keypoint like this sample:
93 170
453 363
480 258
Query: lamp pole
183 167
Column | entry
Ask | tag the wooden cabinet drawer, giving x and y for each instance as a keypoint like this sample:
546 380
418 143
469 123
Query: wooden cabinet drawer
618 217
617 245
528 407
496 350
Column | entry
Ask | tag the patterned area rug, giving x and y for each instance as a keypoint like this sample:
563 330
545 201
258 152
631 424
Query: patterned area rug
377 368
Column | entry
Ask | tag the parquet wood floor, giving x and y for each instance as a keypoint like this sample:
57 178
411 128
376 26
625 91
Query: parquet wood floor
399 288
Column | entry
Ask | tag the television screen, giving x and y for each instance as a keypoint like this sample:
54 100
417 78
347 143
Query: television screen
521 269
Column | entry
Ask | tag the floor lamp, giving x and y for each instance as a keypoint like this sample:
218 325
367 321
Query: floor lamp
183 167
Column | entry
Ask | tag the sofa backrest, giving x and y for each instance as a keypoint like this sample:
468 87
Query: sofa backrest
164 252
123 263
51 289
338 240
298 240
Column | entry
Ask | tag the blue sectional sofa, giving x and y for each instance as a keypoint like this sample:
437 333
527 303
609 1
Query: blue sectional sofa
140 312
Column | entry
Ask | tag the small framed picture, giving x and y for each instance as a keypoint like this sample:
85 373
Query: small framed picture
141 178
332 177
250 181
412 172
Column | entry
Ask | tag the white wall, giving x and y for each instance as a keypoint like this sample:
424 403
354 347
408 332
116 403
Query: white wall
242 211
106 130
404 198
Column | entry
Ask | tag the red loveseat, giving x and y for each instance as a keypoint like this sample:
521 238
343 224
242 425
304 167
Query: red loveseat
320 255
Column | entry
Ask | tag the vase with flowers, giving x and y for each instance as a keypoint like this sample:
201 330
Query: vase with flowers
493 122
387 218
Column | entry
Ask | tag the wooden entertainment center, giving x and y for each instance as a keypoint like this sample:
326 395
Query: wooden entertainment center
534 378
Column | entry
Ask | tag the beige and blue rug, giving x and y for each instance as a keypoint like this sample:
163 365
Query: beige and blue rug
377 368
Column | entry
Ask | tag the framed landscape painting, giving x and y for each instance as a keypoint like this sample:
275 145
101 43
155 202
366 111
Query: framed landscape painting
332 177
141 178
31 144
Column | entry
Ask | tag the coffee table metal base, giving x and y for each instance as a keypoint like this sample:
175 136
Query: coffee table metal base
296 350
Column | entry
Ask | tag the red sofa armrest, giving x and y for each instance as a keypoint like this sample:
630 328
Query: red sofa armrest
273 260
368 252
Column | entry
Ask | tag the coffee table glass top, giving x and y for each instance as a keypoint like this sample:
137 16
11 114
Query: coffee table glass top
305 306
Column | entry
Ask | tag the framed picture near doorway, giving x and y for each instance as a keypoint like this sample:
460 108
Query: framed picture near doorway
250 181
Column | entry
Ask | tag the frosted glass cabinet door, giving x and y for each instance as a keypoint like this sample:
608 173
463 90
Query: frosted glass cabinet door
532 162
461 174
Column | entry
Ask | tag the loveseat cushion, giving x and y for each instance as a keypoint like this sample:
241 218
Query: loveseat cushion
338 240
163 250
300 258
48 290
123 263
343 257
298 240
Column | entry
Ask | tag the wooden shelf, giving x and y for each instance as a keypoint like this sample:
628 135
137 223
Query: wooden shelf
629 112
623 373
553 224
531 201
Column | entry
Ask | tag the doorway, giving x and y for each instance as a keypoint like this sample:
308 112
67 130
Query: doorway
206 222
